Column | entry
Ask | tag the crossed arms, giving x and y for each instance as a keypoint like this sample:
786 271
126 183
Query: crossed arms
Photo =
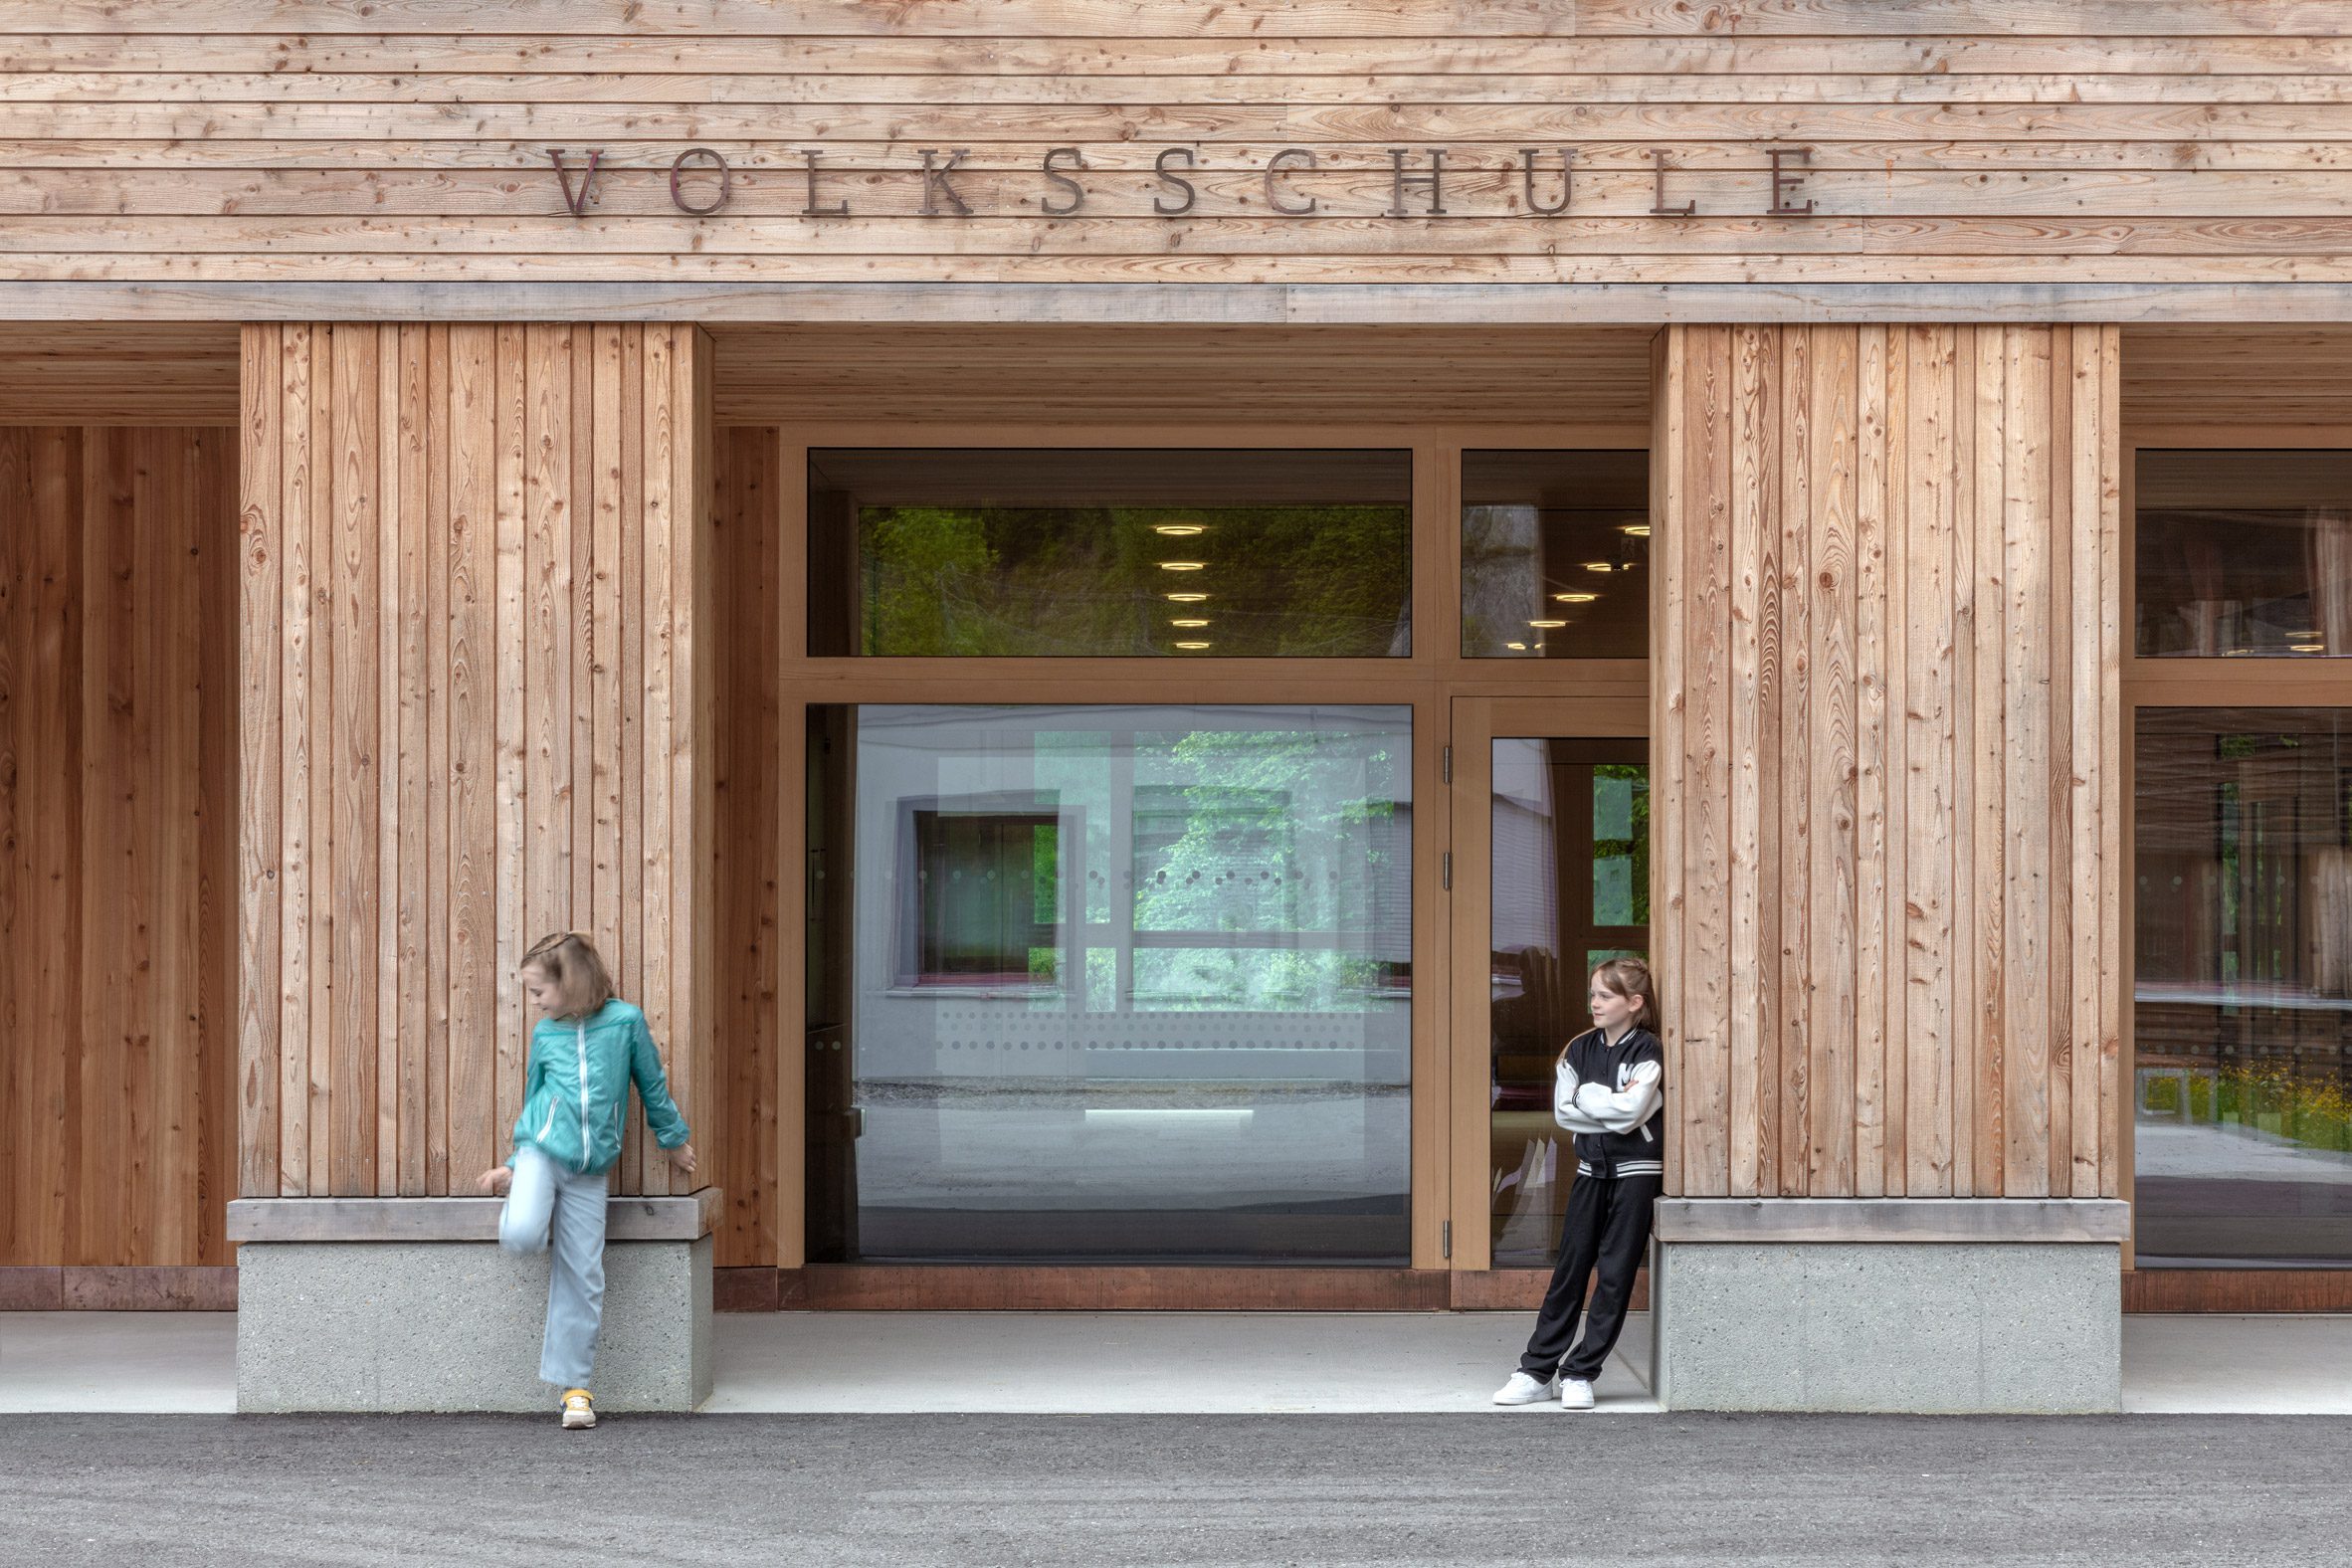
1592 1107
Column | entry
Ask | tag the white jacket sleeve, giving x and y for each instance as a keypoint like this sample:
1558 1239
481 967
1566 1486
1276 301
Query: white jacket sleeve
1565 1109
1625 1109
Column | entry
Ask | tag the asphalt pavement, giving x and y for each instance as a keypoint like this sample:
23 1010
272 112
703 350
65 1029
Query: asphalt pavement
913 1490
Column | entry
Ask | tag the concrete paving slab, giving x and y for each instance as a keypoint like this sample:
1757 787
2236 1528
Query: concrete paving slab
135 1363
1143 1363
1139 1363
2213 1363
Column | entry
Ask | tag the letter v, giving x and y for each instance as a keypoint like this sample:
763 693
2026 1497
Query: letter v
579 203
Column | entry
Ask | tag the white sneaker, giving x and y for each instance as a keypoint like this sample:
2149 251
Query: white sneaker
1576 1394
1524 1390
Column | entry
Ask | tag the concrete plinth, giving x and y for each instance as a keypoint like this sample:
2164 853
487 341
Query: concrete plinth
410 1304
1962 1306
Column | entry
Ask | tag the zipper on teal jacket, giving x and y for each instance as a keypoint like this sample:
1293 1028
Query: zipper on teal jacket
612 1052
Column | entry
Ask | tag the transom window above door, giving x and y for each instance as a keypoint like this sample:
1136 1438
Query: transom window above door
2244 552
1181 553
1555 555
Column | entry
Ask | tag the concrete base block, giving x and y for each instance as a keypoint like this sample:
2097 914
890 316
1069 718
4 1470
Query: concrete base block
446 1325
1975 1327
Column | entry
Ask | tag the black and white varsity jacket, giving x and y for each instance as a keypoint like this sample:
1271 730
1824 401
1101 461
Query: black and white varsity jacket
1610 1097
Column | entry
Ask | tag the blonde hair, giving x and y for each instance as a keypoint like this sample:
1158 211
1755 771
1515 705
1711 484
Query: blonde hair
1628 978
573 966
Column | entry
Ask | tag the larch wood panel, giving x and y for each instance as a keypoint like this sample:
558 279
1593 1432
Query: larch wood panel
1823 569
2245 375
1755 374
86 373
1890 594
1199 18
2185 141
746 699
1272 53
119 761
450 652
1669 749
1091 375
1702 556
355 609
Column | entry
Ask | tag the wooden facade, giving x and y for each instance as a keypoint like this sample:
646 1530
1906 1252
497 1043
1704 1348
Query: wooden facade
516 617
1960 143
1886 737
476 708
118 847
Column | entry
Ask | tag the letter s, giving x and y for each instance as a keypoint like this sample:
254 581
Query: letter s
1174 181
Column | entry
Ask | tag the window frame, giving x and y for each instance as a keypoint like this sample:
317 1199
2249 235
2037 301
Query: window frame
2190 681
1430 681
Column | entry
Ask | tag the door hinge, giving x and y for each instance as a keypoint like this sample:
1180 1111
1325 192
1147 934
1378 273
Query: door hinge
1446 1239
1445 871
1446 764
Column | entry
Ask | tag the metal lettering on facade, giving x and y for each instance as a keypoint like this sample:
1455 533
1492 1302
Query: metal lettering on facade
1416 182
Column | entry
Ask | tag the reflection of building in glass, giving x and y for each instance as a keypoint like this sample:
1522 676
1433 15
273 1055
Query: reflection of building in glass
1554 552
1129 982
2242 990
2245 553
1570 864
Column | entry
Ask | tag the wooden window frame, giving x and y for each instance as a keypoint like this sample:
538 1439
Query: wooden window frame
2188 681
1429 679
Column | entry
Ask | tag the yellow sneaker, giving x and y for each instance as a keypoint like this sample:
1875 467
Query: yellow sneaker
578 1411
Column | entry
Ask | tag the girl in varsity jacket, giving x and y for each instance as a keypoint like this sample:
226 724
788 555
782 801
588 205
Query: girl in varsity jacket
1608 1093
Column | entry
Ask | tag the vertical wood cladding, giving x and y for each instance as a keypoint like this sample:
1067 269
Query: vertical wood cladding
117 769
475 708
1886 724
747 671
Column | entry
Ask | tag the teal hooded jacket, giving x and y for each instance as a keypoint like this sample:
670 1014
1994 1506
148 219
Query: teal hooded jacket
575 1087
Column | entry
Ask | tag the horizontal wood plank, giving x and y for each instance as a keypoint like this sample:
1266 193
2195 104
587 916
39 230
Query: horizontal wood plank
2021 142
1189 18
631 93
1367 119
917 51
631 208
395 159
1803 273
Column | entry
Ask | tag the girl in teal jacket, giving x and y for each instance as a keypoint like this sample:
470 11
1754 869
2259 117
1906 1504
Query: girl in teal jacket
588 1048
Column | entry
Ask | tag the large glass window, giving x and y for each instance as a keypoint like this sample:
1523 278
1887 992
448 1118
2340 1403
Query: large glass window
2244 552
1227 553
2242 988
1554 552
1109 983
1571 889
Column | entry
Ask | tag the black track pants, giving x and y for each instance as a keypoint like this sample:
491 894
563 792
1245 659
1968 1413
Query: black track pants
1608 1226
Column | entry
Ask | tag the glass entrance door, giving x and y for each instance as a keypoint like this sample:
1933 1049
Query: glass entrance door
1551 876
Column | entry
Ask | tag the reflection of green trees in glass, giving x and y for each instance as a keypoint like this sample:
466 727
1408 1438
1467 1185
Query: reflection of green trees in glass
935 554
1301 581
1620 835
1295 851
2312 1111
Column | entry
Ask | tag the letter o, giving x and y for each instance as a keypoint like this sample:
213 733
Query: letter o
727 182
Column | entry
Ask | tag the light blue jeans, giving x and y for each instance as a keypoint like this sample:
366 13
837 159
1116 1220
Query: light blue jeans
549 1199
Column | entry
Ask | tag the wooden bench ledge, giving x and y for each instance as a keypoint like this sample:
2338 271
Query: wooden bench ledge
627 1219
